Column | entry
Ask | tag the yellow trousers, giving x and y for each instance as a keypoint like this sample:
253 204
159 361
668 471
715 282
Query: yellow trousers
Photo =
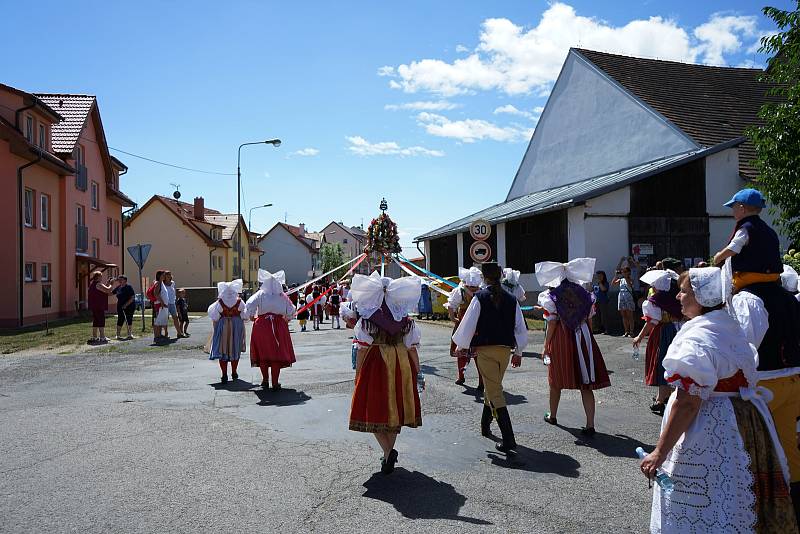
492 362
785 409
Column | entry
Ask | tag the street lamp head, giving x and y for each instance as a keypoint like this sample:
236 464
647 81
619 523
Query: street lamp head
274 142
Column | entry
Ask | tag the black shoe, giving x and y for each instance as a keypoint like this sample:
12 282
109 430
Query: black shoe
507 432
264 385
460 381
387 465
550 420
234 376
658 408
276 387
479 389
224 379
588 431
486 422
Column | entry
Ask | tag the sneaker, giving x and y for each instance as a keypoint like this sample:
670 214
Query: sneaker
120 338
130 337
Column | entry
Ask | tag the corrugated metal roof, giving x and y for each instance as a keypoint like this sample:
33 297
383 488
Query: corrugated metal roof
74 109
568 195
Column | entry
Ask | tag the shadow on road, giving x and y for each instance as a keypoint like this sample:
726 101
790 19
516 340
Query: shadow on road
284 397
618 445
430 370
511 398
233 385
537 462
418 496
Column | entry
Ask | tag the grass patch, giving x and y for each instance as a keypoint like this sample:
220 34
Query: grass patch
64 333
535 324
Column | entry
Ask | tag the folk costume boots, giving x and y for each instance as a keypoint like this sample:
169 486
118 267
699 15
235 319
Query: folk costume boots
486 421
504 422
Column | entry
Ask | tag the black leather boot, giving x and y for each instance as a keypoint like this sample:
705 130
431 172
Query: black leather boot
486 421
504 422
795 493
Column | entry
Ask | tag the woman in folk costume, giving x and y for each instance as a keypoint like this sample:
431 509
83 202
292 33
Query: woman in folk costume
335 302
385 396
494 327
271 346
510 283
660 310
457 303
227 340
575 359
718 442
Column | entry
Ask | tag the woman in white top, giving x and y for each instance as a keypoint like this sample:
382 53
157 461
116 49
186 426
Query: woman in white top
271 346
718 442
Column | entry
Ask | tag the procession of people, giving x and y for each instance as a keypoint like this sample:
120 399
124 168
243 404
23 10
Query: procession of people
722 351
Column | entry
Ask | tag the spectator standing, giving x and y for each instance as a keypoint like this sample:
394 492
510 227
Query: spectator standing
98 304
126 306
625 303
600 290
171 301
182 304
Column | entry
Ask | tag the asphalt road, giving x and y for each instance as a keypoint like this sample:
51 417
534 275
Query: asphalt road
135 438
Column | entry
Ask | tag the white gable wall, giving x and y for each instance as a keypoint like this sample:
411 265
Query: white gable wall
282 250
591 126
606 230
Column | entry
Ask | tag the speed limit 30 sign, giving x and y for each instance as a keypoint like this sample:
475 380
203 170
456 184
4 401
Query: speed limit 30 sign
480 230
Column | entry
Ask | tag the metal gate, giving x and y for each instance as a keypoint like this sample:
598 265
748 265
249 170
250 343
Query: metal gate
677 237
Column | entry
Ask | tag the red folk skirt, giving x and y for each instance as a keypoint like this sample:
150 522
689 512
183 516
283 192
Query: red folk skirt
657 344
385 397
564 371
270 342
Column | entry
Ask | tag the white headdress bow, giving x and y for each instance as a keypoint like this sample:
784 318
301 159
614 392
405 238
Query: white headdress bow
271 283
660 279
707 285
229 291
472 277
551 273
401 295
789 279
511 276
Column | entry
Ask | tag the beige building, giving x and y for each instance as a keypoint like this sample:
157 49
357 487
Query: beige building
201 246
352 239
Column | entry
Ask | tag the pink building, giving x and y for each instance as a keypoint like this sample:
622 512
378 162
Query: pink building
62 211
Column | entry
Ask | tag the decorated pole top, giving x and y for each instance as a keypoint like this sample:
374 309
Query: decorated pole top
384 206
382 235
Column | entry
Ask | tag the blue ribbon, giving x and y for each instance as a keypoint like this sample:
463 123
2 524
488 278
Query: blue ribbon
426 271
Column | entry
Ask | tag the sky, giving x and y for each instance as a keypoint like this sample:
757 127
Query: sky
428 104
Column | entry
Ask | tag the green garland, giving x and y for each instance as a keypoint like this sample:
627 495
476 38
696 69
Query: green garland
382 236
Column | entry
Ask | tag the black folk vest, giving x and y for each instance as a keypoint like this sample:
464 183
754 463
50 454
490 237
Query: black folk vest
762 252
495 323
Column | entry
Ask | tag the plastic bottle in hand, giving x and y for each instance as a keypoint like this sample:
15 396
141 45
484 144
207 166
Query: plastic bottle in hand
662 479
636 352
420 382
546 359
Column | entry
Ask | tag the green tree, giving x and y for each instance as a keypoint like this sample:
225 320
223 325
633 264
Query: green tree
332 255
777 141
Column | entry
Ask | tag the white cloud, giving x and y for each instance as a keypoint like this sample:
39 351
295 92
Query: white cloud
461 48
471 130
516 60
307 152
424 105
386 70
362 147
722 35
509 109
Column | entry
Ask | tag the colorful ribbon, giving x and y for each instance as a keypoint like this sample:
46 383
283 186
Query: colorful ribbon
352 268
426 278
320 277
427 272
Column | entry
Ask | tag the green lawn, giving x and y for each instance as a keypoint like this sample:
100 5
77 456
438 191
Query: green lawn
64 333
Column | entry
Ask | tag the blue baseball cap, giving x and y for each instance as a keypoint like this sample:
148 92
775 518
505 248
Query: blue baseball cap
748 197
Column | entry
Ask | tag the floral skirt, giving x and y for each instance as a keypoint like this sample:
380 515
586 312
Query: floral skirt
385 397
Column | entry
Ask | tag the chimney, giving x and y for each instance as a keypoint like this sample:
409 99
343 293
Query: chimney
302 229
199 208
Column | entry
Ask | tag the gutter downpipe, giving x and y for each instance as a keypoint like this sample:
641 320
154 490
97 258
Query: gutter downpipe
20 201
423 253
211 267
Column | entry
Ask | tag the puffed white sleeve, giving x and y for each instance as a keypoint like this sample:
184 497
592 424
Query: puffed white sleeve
290 308
252 304
651 312
242 309
413 337
454 300
690 367
546 302
214 312
519 293
740 239
753 317
360 336
346 311
466 328
520 332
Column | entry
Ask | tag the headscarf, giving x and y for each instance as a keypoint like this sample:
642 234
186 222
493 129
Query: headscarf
228 292
470 277
579 271
707 285
271 283
660 279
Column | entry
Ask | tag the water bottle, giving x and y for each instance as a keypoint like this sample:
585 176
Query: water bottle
636 352
420 382
546 359
662 479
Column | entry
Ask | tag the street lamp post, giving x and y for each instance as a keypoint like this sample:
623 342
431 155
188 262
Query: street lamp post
274 142
250 216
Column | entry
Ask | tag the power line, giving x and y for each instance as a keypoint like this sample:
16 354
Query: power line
170 164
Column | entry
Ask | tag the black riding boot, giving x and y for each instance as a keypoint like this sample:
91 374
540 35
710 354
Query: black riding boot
795 493
486 421
504 422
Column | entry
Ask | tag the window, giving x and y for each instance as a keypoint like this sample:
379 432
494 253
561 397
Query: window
29 196
95 247
116 233
45 272
109 230
30 272
42 136
95 196
44 211
344 240
29 128
80 215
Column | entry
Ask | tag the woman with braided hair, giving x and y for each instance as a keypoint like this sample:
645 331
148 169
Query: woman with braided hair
494 327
